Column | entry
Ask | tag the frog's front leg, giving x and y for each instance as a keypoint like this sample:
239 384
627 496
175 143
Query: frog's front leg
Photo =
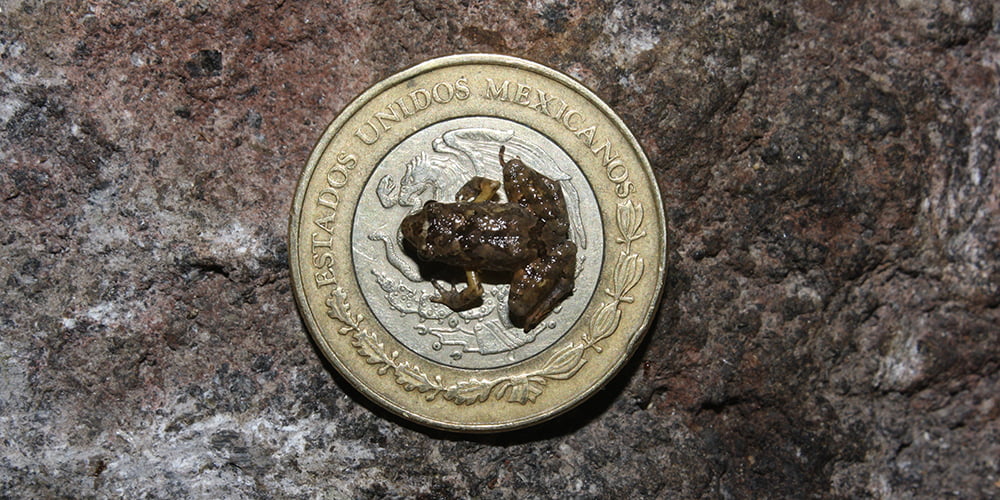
477 190
460 301
542 285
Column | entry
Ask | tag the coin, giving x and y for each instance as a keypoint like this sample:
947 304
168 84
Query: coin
373 303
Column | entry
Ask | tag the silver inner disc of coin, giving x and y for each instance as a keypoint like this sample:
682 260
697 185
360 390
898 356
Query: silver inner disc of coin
432 164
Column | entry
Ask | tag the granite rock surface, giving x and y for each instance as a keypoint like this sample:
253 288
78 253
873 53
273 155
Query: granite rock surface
829 327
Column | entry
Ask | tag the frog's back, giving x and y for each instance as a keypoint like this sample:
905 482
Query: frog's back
482 236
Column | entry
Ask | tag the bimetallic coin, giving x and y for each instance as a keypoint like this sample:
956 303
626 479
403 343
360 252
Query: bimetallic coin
576 245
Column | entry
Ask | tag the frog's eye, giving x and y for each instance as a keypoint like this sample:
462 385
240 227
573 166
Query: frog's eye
429 203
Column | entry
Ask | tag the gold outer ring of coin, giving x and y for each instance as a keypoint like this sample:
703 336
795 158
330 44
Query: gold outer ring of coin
413 137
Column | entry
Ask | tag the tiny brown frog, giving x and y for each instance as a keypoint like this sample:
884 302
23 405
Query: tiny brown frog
527 235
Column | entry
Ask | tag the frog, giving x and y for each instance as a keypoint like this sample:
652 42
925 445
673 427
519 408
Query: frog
527 236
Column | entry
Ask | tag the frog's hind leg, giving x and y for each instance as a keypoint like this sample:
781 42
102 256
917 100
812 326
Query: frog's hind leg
478 190
542 285
466 299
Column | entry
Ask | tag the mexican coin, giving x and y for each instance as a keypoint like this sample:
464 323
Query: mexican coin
563 252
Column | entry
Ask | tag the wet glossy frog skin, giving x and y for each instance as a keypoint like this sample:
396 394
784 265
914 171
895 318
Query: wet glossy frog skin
528 235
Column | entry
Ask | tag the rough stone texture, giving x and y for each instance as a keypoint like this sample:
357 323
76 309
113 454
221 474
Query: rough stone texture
829 326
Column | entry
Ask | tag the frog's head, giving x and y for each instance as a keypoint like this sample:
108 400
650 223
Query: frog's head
414 228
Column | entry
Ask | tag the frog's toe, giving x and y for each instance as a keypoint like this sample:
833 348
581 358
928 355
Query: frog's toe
528 317
478 189
469 297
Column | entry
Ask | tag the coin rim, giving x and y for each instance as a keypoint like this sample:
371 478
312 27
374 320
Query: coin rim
335 126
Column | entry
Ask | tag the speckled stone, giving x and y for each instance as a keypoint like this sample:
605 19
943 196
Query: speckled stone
829 326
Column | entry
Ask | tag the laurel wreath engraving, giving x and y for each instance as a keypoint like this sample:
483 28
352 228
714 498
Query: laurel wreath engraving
518 388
